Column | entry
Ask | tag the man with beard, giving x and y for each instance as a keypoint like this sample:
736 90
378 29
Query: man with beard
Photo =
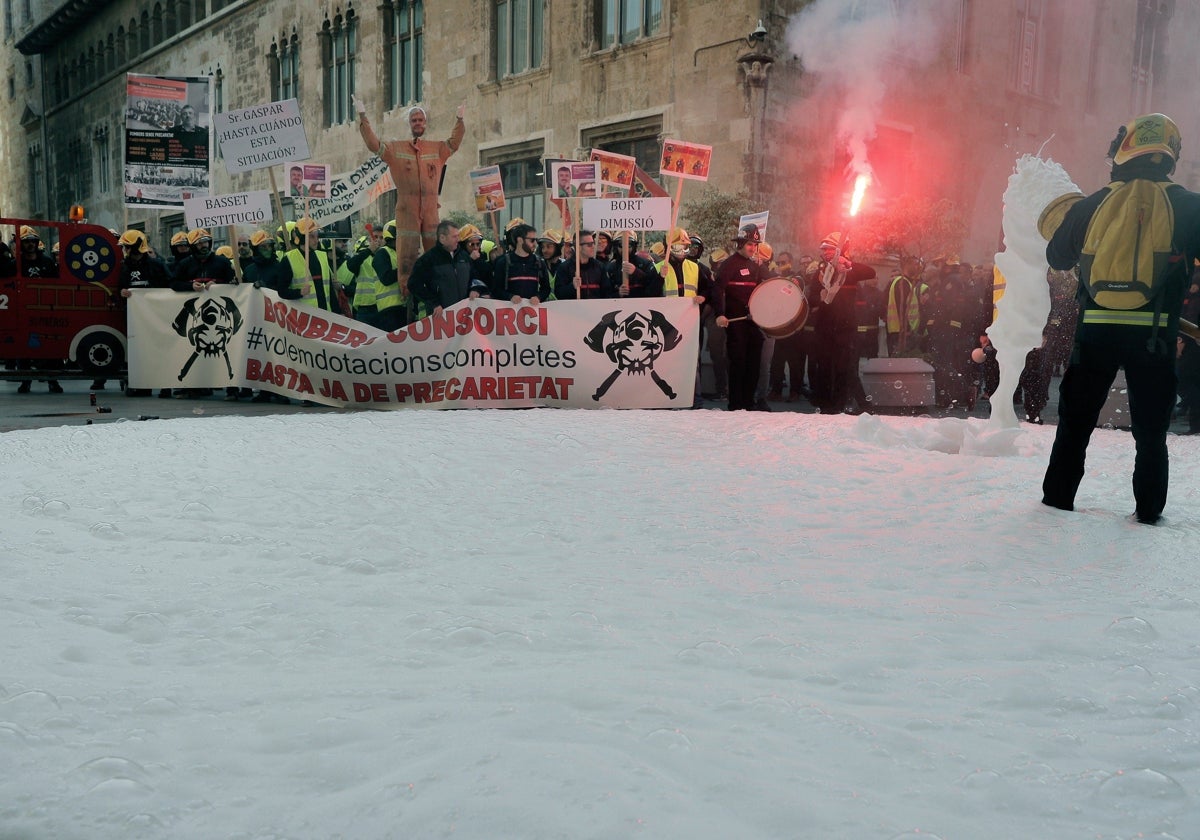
520 275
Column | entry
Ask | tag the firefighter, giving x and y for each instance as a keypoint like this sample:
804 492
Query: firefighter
34 264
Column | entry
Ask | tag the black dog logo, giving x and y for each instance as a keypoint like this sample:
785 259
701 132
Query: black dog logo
208 324
633 345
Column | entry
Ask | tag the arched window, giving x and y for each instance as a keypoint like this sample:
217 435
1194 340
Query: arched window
131 40
144 30
122 46
403 27
170 19
185 14
339 42
200 10
156 25
110 58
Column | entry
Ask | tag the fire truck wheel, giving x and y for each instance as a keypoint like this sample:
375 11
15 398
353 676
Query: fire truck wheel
101 354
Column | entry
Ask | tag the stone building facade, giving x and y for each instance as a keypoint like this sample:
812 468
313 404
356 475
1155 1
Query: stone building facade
990 79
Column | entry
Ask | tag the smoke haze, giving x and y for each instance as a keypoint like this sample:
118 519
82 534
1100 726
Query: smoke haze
853 49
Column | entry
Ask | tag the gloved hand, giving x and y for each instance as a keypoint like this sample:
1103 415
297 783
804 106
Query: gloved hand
358 106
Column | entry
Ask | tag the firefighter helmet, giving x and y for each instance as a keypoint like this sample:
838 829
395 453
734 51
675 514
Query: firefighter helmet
197 235
180 238
389 230
134 239
259 237
29 233
225 251
748 234
1146 135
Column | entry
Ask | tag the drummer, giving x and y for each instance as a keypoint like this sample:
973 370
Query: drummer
735 282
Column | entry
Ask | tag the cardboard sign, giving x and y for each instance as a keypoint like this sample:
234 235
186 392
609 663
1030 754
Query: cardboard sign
249 208
627 213
685 160
262 136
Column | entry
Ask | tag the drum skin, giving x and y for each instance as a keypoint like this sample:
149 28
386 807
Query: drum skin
778 307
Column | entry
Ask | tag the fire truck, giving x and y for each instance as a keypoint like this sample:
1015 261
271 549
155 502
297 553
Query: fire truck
75 321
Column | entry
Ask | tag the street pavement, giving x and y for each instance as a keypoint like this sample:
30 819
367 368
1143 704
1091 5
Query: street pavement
73 407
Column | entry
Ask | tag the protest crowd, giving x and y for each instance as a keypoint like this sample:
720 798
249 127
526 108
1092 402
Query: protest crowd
420 263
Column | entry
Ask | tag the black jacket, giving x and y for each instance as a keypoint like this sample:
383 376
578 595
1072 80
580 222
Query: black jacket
440 278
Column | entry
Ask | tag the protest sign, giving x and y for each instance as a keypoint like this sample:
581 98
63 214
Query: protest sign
685 160
487 188
627 213
759 220
261 136
167 140
615 170
251 209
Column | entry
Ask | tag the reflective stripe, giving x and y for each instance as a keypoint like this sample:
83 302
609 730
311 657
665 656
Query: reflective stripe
366 285
388 296
301 282
691 280
1133 318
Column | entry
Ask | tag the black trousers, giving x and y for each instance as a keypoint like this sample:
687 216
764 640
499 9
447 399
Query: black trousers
743 346
1150 376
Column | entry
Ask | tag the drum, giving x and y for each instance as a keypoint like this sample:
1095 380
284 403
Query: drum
778 307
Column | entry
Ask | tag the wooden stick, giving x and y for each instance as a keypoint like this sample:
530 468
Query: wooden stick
231 232
276 200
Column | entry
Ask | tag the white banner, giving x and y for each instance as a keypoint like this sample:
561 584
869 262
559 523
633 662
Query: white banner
759 220
352 191
633 353
627 213
250 208
262 136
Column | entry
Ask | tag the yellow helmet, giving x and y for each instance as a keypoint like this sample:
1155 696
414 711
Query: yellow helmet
469 231
1146 135
180 238
513 222
29 233
389 230
225 251
657 250
679 236
306 225
134 239
551 235
765 251
362 244
198 234
259 237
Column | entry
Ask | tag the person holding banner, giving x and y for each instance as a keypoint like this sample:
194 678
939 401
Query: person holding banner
417 167
592 280
520 275
470 243
441 276
391 290
632 275
309 284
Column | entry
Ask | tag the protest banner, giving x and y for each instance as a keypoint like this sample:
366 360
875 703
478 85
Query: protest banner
247 209
476 354
261 136
352 191
168 140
